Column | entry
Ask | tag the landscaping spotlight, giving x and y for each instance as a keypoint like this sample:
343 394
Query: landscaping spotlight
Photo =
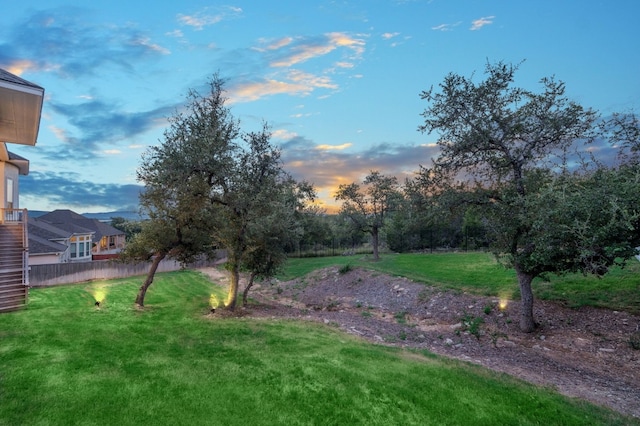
214 303
99 294
502 305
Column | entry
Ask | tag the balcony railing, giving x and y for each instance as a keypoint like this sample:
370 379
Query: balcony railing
13 216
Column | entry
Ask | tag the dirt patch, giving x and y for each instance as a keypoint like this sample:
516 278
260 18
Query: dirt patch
583 353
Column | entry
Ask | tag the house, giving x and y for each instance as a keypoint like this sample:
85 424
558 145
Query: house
20 111
89 239
50 244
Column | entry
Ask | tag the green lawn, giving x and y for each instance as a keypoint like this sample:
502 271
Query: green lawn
64 361
479 273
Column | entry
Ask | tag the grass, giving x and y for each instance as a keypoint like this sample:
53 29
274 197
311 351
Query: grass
64 361
479 273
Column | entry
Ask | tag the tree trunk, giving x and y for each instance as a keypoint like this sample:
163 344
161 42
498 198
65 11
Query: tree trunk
234 278
374 237
527 323
152 272
246 289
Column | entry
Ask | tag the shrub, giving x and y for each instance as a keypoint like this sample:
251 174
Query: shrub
345 268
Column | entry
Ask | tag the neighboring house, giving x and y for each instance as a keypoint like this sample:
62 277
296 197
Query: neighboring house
105 241
20 110
48 244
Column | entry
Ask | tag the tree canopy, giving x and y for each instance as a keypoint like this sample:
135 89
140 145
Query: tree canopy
510 150
210 185
368 205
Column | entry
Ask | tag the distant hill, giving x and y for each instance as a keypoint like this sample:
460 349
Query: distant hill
102 217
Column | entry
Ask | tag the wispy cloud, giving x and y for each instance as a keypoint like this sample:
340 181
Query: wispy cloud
393 37
70 190
64 42
145 42
295 82
481 22
254 90
281 55
99 127
209 16
266 44
288 51
446 27
333 147
283 134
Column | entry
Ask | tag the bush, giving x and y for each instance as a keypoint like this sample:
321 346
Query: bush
345 268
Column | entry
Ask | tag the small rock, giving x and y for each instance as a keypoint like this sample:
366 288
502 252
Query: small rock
503 343
544 348
581 343
448 342
606 350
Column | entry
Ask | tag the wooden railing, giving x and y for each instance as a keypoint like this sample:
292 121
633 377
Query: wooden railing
17 216
14 259
13 216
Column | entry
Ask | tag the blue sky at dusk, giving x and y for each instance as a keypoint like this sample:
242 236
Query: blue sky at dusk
338 81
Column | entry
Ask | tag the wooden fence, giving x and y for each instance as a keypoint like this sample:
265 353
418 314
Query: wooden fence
69 273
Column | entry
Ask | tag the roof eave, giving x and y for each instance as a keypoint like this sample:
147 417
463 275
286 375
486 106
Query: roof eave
20 111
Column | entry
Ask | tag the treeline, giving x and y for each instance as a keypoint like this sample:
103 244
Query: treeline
407 230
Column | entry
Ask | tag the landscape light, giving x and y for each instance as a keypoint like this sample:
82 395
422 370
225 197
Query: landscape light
502 305
214 303
99 295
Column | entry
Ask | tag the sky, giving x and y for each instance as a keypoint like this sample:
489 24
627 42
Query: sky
338 82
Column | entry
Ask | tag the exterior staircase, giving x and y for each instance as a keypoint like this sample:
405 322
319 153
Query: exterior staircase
14 278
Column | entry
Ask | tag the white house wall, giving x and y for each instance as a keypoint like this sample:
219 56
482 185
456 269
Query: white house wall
9 171
44 259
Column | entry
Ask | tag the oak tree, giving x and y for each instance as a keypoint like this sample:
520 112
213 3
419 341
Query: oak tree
368 205
200 141
511 146
209 185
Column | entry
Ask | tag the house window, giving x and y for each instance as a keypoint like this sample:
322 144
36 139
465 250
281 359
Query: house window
80 247
112 242
9 193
